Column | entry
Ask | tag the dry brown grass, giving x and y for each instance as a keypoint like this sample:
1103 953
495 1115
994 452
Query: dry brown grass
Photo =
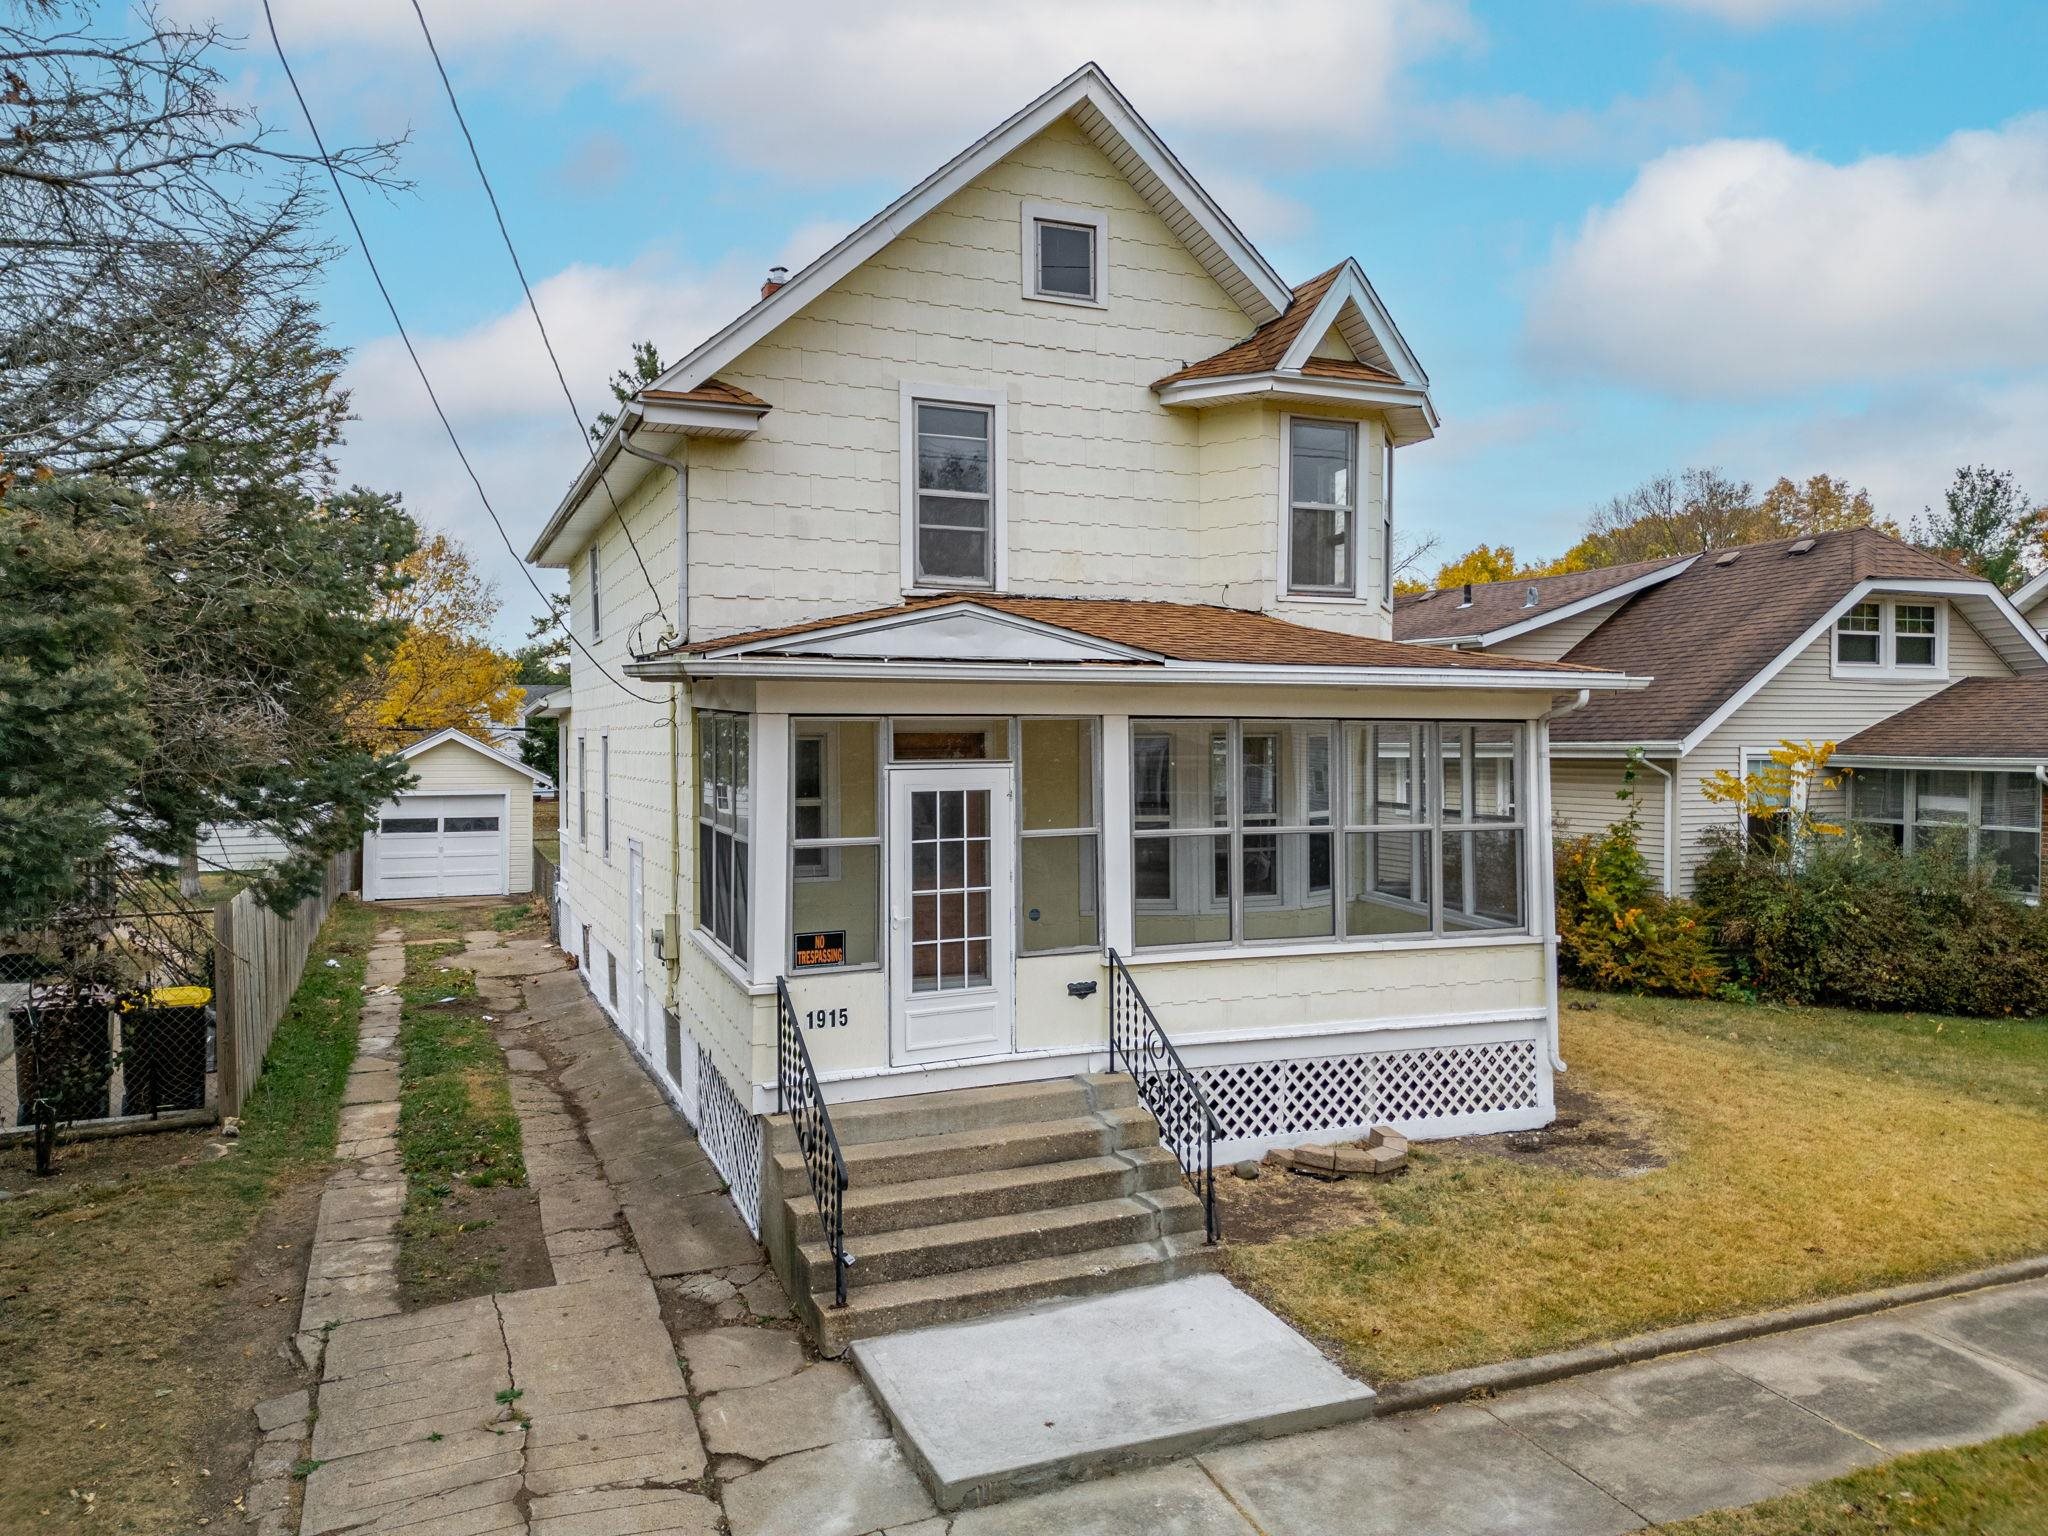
1789 1178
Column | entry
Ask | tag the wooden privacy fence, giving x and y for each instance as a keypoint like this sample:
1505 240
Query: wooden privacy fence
258 960
544 875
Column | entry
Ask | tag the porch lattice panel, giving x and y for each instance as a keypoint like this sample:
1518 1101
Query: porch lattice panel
731 1135
1258 1100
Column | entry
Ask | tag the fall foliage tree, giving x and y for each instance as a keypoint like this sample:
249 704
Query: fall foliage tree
444 671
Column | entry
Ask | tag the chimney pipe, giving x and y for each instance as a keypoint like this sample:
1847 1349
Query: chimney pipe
777 276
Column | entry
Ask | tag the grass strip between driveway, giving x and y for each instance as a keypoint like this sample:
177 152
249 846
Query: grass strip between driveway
1999 1488
1800 1163
457 1129
115 1278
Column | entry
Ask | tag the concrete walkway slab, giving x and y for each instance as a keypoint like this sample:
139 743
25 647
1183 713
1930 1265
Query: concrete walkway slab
1003 1404
1179 1500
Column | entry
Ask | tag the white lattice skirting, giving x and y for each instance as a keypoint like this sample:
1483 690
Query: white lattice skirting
1442 1090
731 1134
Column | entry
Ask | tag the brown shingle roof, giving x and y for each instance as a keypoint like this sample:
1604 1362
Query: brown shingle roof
710 392
1194 632
1261 351
1440 615
1705 633
1996 717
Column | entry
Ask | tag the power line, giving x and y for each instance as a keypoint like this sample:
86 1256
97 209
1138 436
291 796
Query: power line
419 368
525 287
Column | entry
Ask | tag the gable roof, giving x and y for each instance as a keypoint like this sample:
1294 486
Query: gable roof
2031 594
1146 633
1262 351
1498 608
1721 627
1997 719
459 738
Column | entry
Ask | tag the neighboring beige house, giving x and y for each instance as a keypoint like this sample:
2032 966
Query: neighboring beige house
1849 637
1001 645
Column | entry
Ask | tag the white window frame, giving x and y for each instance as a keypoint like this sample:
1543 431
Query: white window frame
1386 519
1887 664
1032 214
604 792
1284 564
996 402
596 605
582 790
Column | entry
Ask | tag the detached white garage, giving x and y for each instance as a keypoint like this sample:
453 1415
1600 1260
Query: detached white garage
465 829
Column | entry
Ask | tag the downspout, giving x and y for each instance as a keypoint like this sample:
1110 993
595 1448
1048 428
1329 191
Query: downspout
1670 824
1547 863
671 956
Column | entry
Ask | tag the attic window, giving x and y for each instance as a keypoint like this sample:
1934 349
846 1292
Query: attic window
1065 253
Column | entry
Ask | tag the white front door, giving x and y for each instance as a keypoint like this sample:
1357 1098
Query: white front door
951 912
636 937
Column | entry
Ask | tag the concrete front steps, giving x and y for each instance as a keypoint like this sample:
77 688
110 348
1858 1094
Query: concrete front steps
979 1200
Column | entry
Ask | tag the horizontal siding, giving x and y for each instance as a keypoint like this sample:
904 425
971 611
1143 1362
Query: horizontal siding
1552 641
234 845
1804 702
1583 799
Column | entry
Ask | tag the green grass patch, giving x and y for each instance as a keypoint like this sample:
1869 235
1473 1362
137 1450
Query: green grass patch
1774 1169
116 1274
1999 1488
457 1129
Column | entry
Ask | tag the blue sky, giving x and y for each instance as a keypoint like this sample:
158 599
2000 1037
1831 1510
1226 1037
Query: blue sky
1624 236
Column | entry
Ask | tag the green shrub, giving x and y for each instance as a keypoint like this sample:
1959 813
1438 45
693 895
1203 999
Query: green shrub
1616 932
1858 924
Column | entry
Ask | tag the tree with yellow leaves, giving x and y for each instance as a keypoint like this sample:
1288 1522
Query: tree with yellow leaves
1778 795
444 672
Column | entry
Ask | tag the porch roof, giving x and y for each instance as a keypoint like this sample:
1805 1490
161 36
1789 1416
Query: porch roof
1977 719
1078 634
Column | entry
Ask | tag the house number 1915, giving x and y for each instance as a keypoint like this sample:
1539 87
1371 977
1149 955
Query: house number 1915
825 1018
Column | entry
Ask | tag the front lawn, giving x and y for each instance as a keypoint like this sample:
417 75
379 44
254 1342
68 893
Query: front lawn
1999 1488
1767 1156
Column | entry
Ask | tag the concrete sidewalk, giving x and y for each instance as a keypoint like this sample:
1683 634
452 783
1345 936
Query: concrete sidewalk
1607 1453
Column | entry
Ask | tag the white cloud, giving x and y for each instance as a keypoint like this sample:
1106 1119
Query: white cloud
499 389
818 89
1740 266
1759 13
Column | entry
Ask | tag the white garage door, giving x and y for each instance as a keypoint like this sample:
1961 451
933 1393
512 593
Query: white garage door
439 845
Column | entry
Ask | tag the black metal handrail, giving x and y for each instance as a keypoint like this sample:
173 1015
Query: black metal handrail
1165 1086
798 1095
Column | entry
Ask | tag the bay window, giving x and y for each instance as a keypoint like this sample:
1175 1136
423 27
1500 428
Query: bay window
1991 818
724 827
1236 837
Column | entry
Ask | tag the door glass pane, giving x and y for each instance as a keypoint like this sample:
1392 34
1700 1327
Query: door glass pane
1387 883
921 740
952 904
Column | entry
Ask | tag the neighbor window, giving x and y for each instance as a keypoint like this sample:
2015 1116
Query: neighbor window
1060 837
596 610
604 793
1387 525
1275 830
1066 259
1994 817
955 511
583 791
835 859
724 824
1883 635
1322 507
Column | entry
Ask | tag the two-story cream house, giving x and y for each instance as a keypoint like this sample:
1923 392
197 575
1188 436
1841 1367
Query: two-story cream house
986 636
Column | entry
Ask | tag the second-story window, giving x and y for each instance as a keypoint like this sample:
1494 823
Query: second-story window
1322 507
1066 259
1890 636
596 609
955 496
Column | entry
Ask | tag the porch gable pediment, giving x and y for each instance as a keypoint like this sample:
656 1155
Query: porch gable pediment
957 632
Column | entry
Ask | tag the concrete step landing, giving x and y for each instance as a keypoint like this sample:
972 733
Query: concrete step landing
1006 1405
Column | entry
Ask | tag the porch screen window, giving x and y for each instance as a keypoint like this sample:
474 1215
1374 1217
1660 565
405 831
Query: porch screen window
1060 838
835 858
724 823
955 509
1268 831
1990 818
1322 506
